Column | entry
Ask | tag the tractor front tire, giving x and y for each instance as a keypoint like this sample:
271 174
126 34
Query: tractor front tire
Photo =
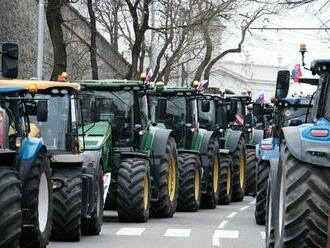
166 204
210 199
238 169
190 172
304 203
38 199
226 183
10 208
67 206
251 162
92 225
133 190
263 170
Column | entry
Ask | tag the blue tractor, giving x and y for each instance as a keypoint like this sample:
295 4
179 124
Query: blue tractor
298 194
287 112
25 173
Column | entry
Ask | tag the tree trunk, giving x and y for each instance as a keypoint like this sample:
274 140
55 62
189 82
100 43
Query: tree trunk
54 21
93 46
208 53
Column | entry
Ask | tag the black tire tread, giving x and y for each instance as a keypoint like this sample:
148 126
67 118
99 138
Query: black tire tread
188 163
210 199
238 191
164 208
251 162
10 208
31 236
67 206
307 203
130 191
263 169
225 166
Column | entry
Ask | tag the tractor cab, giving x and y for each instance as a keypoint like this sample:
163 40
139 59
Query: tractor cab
120 105
176 109
56 118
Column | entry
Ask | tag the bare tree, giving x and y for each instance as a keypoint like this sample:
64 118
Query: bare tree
93 45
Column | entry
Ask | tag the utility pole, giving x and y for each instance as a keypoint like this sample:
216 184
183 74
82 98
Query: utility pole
40 41
153 51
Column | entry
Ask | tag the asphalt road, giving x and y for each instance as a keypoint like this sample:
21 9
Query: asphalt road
230 226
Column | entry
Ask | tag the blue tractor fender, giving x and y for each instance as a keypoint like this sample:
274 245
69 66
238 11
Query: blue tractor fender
27 154
233 139
268 149
307 147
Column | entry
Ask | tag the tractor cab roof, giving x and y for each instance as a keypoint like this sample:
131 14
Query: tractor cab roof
213 97
242 98
112 85
173 91
9 89
38 86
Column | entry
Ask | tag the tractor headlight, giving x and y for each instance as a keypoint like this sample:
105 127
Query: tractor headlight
18 142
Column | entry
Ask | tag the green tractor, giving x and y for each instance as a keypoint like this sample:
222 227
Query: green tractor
242 120
198 153
213 116
139 159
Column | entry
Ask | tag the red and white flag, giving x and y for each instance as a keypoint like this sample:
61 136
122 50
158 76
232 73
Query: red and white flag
239 120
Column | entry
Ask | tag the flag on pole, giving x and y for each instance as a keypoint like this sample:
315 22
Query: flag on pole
296 73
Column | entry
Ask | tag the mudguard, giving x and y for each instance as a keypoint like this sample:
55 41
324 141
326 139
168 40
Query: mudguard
233 139
158 150
304 147
92 158
203 149
258 135
267 155
28 152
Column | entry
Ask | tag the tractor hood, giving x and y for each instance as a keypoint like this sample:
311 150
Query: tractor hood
95 134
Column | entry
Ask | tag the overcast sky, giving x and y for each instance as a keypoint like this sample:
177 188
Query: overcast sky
265 47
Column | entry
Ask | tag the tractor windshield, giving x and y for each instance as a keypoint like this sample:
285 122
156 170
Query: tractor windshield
57 132
115 108
207 120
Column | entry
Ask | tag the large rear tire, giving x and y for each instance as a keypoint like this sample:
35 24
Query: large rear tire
303 203
92 225
251 164
38 199
166 205
263 170
210 199
238 169
190 172
10 208
67 206
133 190
226 183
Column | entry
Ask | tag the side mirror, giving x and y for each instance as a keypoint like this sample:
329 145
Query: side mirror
233 109
282 84
161 107
9 60
205 106
42 111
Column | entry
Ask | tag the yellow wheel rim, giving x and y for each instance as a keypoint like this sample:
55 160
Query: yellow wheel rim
197 184
146 191
229 180
241 169
171 180
216 174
